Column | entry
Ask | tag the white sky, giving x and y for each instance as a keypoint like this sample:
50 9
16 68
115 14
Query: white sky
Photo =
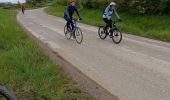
12 1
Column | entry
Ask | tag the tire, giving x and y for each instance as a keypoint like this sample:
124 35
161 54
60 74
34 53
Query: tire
67 33
117 36
78 35
5 94
65 29
101 33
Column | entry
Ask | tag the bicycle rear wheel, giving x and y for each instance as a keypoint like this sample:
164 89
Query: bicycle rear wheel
67 32
78 35
5 95
101 33
117 36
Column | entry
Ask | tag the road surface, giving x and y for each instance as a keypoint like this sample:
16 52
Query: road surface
136 69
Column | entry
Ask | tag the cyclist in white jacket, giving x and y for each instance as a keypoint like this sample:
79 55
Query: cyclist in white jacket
108 13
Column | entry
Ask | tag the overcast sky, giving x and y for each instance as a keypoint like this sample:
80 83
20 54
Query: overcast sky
12 1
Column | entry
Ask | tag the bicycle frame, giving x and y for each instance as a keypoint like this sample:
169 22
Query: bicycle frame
74 32
114 25
75 23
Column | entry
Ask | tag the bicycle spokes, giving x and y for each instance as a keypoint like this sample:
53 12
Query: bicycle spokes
117 36
78 35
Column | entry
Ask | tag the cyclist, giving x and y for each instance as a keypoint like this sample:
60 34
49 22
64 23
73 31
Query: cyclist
22 5
69 13
108 12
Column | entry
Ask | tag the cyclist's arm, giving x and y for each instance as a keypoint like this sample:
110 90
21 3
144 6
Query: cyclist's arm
77 12
116 15
67 12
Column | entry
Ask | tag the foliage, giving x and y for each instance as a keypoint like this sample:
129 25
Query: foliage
7 5
149 7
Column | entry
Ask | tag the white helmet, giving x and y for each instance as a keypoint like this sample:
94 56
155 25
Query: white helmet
112 4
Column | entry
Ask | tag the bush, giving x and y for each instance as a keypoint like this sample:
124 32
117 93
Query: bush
133 6
146 6
38 3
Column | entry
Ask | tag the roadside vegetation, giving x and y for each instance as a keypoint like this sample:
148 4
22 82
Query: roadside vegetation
149 7
38 3
155 25
26 71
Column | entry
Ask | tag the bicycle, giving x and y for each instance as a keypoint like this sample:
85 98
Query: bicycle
76 32
5 94
113 32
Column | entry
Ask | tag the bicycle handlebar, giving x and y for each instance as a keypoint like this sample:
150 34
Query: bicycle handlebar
76 19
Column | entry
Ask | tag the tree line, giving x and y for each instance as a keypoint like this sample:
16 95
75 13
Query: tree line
150 7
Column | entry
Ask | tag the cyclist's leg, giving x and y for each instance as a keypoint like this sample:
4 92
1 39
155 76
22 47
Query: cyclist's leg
72 24
107 24
68 22
72 27
110 25
22 8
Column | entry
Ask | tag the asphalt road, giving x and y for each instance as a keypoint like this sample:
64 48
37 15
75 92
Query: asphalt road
136 69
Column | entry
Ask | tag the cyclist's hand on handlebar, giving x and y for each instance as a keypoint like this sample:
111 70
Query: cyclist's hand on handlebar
80 19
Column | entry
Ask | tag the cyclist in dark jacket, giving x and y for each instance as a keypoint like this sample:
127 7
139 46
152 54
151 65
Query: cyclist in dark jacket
69 13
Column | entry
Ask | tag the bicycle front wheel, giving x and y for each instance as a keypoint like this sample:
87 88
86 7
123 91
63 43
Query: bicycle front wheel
67 32
117 36
78 35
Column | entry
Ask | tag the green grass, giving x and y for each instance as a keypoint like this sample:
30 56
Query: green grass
155 27
26 71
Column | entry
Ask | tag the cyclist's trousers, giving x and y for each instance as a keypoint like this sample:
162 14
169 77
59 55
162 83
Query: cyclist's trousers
108 22
69 21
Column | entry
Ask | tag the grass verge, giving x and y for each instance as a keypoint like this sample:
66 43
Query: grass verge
26 71
155 27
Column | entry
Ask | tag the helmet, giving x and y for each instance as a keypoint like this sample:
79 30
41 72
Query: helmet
72 1
112 4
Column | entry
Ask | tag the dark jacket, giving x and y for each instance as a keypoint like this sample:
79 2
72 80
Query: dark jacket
70 11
